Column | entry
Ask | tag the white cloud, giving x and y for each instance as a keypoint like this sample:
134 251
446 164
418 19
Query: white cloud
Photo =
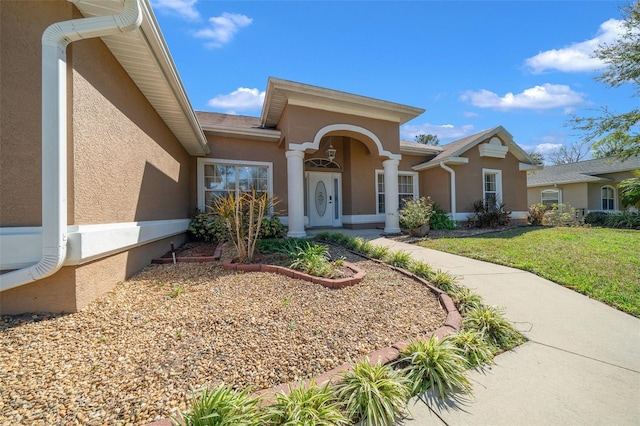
469 114
243 99
547 96
184 8
577 56
223 28
444 131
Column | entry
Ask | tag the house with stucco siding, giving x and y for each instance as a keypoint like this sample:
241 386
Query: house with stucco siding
103 159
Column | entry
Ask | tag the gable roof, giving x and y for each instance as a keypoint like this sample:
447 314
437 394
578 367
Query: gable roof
144 55
582 171
282 92
416 148
451 152
235 126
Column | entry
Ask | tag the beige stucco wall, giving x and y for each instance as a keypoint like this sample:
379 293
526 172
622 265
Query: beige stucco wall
124 164
21 26
436 183
469 181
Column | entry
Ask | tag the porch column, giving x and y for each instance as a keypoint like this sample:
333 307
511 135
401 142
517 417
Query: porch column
295 186
391 199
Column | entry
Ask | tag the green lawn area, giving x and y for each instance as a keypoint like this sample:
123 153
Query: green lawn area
602 263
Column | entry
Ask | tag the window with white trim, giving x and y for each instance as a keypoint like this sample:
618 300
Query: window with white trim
549 197
608 196
492 185
407 188
222 177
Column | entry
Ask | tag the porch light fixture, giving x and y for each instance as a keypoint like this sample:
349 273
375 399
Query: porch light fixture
331 151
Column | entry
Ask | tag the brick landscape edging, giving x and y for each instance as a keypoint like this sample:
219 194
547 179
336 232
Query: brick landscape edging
334 283
452 324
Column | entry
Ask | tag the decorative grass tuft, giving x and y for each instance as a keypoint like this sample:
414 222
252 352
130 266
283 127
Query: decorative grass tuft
489 321
373 394
222 406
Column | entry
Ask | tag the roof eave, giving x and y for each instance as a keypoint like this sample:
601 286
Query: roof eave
451 161
247 133
157 83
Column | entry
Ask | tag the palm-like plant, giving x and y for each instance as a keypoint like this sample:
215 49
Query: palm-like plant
435 364
306 406
494 327
373 394
222 406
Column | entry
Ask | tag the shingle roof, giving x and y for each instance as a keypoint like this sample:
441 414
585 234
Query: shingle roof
209 119
582 171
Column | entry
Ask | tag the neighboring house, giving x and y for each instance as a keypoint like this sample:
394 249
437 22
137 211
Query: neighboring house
587 186
103 158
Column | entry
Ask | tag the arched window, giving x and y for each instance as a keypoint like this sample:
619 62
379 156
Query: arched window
608 195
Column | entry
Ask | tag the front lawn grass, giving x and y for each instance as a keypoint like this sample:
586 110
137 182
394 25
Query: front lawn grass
601 263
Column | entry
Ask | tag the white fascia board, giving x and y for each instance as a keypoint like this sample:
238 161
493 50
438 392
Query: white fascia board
527 167
22 246
236 132
452 161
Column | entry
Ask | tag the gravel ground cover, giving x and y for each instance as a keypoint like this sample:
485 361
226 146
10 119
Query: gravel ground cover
137 354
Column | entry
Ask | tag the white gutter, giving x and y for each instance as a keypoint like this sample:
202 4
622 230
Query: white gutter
55 40
453 187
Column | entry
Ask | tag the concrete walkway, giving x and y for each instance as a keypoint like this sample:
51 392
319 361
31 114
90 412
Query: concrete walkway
581 365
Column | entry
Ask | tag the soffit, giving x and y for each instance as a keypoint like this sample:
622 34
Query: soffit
283 92
145 56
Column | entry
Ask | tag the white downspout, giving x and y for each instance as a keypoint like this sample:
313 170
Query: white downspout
55 40
453 188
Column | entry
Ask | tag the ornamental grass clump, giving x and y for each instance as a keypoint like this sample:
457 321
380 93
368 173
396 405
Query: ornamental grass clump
445 281
222 406
399 259
422 269
379 252
490 322
373 394
306 406
465 299
312 259
435 364
474 347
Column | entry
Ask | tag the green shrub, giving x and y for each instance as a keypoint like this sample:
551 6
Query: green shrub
222 406
465 299
362 246
445 281
435 364
474 347
489 214
625 220
307 407
495 329
422 270
272 228
415 214
562 215
379 252
596 218
536 213
207 227
399 259
373 394
312 259
440 219
323 236
285 246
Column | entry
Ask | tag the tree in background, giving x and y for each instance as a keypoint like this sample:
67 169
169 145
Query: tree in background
620 131
564 155
428 140
630 191
536 157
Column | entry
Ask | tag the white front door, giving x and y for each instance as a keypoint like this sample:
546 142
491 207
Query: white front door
324 202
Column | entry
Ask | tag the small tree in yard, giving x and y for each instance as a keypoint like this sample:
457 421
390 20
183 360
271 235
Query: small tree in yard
242 216
630 191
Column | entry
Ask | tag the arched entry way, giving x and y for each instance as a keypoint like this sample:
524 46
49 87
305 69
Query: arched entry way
324 188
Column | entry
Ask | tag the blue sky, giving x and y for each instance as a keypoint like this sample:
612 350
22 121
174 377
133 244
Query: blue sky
472 65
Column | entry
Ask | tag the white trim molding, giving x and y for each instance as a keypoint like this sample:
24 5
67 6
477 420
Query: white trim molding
22 246
360 219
